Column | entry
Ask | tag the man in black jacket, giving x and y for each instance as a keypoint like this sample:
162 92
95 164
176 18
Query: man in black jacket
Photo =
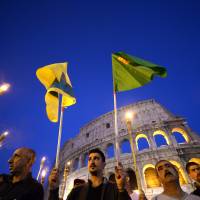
193 170
19 184
97 187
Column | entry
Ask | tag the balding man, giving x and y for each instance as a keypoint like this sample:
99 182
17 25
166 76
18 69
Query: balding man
19 184
169 177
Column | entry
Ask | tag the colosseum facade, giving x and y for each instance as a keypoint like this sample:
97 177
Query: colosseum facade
152 125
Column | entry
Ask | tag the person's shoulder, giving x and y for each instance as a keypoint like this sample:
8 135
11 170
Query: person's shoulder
154 198
192 197
35 184
158 197
4 177
77 192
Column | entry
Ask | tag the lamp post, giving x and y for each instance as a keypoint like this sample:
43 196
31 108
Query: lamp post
129 117
65 175
43 175
3 136
41 166
4 87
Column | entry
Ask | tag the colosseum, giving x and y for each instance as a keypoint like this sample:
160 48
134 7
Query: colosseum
157 134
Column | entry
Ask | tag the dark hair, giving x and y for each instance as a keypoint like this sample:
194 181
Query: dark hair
189 164
78 181
99 152
162 161
112 178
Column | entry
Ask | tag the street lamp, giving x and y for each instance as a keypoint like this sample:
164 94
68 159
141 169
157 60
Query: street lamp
3 136
41 166
43 175
4 87
65 175
129 117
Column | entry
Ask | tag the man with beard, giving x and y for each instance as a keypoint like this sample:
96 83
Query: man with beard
97 188
193 170
168 176
19 184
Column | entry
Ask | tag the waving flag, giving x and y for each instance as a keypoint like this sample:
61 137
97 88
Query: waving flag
130 72
55 79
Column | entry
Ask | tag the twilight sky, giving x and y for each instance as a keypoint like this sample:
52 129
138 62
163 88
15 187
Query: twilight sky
85 33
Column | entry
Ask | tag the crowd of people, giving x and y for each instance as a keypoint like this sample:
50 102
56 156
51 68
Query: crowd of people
20 185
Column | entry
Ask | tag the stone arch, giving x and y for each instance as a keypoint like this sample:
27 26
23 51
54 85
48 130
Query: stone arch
161 133
182 176
110 150
150 176
125 146
182 132
141 136
196 160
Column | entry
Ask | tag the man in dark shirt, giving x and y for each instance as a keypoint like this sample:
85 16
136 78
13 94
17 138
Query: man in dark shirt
97 187
19 184
193 170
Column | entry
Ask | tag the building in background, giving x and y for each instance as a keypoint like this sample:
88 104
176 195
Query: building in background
157 134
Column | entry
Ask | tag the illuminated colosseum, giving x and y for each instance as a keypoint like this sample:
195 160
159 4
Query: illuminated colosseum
157 134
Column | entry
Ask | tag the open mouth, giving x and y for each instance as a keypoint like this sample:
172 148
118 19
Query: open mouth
168 174
11 168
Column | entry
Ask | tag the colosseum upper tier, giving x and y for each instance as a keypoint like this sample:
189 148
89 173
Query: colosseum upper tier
157 134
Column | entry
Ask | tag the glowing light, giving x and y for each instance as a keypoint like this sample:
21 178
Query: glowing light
68 163
4 87
3 136
137 191
5 133
43 159
129 115
44 172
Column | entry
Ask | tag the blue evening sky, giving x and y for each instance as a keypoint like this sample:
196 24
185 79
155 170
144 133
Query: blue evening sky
35 33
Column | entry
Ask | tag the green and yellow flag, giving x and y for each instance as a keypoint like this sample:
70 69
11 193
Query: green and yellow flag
55 79
130 72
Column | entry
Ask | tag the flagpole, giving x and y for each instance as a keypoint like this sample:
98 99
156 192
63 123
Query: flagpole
117 152
59 134
129 129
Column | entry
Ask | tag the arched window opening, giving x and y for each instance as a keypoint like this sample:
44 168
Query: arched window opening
151 178
182 132
75 164
142 144
85 159
125 146
179 138
160 140
110 151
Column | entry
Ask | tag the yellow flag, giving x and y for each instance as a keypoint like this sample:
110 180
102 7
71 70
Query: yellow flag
55 79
